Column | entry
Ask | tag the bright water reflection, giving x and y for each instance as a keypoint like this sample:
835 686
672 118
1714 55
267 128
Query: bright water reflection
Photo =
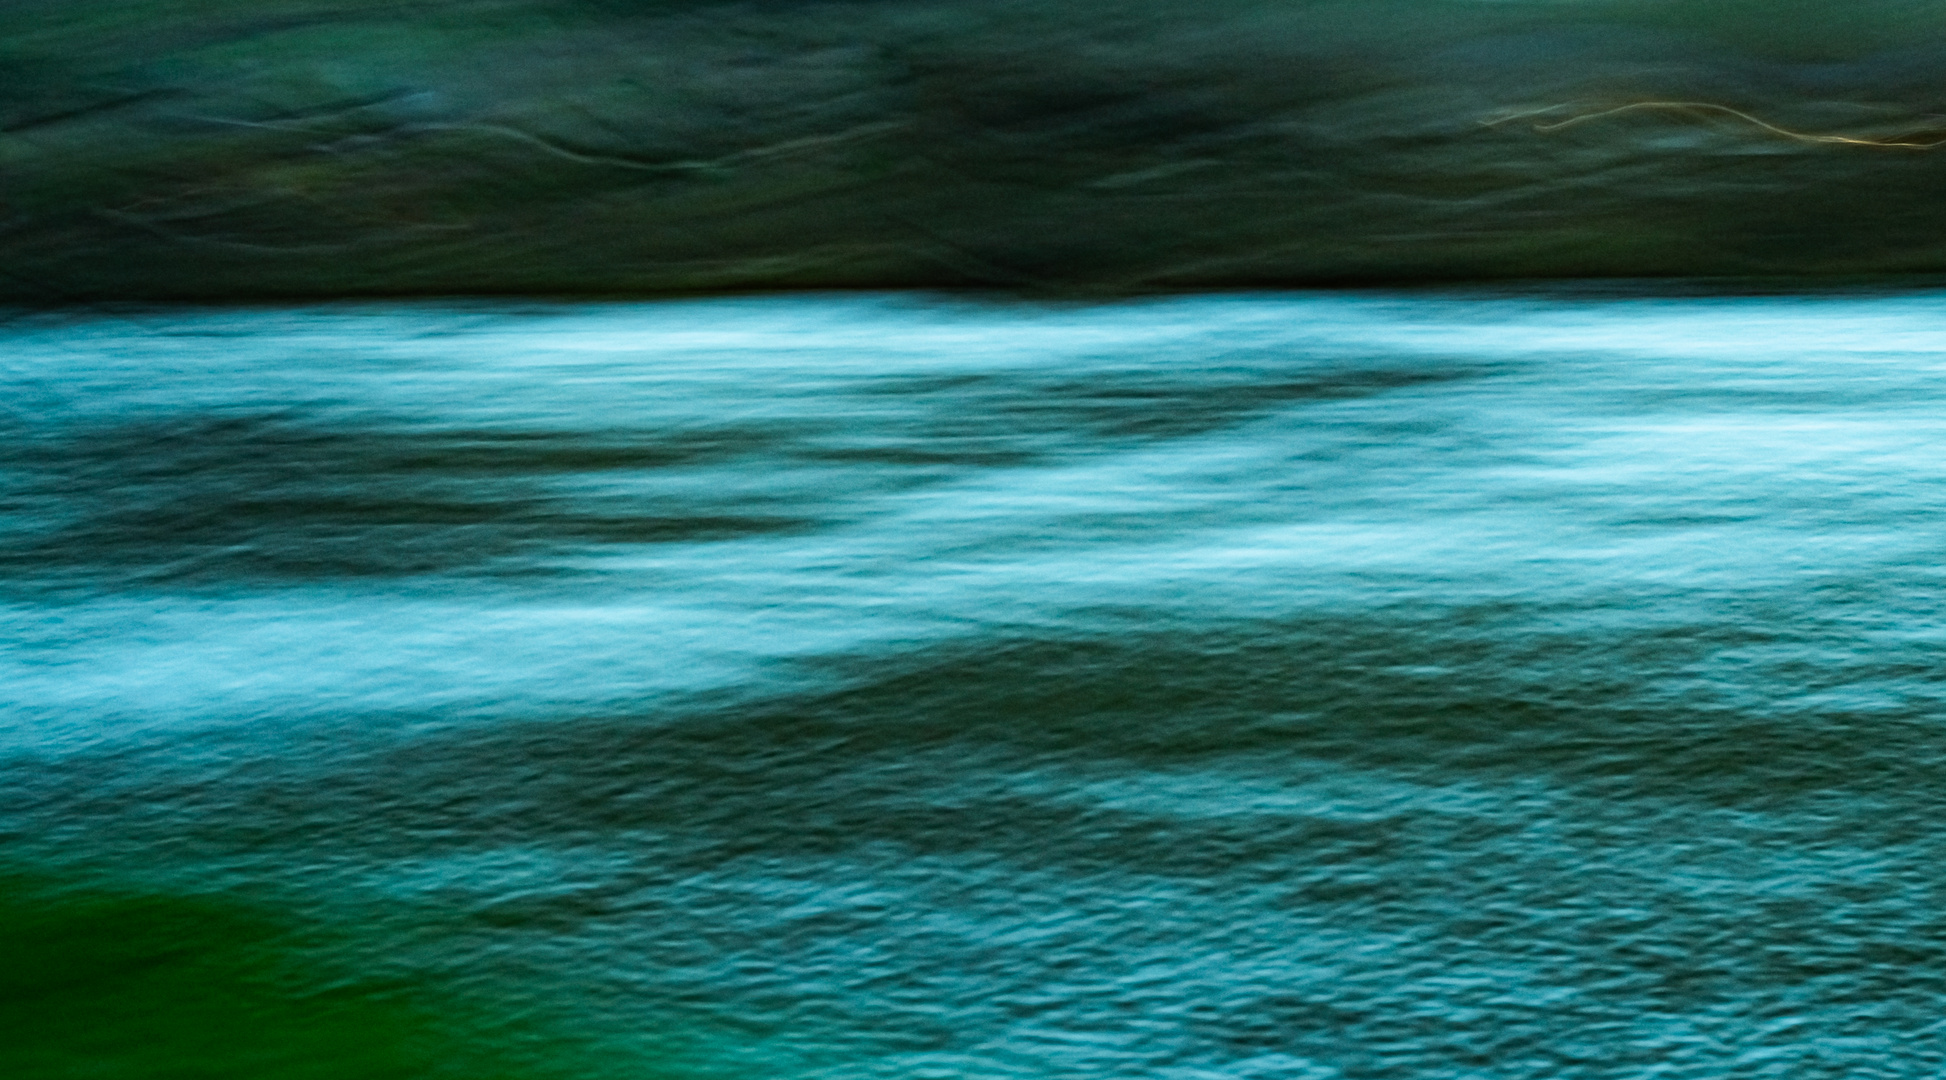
1253 686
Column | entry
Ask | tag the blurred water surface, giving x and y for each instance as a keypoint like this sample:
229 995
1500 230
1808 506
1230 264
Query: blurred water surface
1489 684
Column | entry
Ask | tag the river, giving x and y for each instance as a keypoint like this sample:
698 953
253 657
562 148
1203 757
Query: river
1471 683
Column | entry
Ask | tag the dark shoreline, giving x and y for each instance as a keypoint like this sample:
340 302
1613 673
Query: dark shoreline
1538 289
296 149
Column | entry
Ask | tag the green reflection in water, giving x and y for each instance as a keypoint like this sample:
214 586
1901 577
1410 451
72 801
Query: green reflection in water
119 985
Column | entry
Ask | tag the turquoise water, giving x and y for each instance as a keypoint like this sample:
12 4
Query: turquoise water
1489 684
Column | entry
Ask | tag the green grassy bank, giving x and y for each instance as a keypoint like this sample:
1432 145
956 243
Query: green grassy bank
260 148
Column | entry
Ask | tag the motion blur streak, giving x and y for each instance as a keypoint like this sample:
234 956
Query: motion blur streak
325 148
1515 684
1706 109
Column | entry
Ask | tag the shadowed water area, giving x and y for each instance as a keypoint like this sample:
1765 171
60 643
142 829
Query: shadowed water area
1512 684
323 148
